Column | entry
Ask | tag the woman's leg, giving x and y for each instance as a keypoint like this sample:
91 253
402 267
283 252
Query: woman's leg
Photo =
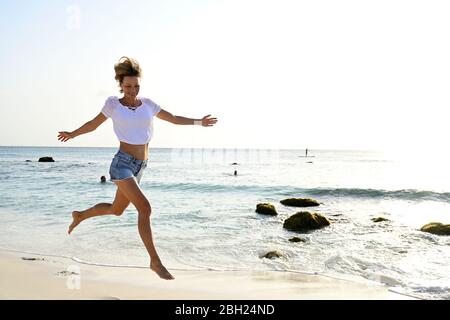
118 206
131 190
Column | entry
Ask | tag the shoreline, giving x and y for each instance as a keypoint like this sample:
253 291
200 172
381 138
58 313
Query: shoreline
33 276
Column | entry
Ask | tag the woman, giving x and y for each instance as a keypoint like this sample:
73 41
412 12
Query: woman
132 118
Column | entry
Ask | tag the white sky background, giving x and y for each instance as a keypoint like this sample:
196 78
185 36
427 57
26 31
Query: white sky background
277 74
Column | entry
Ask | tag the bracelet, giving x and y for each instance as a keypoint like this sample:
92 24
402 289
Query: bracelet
198 122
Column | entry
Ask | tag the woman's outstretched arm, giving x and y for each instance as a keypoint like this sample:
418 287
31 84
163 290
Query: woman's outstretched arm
206 121
85 128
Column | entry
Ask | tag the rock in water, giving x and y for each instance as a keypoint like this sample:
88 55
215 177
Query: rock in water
272 254
297 239
304 221
437 228
379 219
46 159
300 202
266 208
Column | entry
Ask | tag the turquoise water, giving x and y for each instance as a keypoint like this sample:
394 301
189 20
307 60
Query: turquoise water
204 216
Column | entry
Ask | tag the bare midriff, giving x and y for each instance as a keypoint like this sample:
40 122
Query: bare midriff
139 151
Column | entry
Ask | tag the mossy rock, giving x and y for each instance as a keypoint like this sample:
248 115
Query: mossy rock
266 208
304 221
437 228
297 239
272 254
300 202
379 219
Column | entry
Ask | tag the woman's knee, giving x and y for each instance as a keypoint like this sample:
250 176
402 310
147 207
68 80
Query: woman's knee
118 212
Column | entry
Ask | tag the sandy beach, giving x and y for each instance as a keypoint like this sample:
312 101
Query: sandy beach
31 276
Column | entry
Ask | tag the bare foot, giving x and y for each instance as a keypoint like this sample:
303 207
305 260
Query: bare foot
76 220
161 271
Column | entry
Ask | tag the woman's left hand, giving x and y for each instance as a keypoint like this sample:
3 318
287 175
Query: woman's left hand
208 122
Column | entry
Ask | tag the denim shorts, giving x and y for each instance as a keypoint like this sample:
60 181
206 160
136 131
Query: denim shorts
124 166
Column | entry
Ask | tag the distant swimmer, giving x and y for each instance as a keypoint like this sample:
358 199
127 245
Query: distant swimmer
102 179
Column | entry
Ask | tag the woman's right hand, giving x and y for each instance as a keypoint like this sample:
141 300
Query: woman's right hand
64 136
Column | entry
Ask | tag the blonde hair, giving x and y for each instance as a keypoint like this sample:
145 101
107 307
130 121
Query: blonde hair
126 67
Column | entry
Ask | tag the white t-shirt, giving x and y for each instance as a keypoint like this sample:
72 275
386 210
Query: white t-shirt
131 126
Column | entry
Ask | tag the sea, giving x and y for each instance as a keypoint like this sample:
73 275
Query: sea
203 212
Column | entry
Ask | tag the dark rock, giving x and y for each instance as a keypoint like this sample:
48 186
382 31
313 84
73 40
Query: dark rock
437 228
272 254
297 239
304 221
234 164
46 159
300 202
266 208
28 161
379 219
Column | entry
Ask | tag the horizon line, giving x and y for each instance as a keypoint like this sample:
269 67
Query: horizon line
228 148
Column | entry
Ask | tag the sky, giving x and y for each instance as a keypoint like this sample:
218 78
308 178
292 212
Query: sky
277 74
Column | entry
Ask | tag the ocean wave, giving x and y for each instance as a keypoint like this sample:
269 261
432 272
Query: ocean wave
289 191
404 194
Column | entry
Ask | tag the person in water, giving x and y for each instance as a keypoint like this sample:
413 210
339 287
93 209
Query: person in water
132 118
